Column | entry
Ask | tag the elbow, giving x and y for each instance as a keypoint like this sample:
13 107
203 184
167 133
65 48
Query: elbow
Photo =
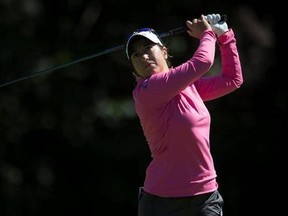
210 63
236 77
239 82
201 66
206 66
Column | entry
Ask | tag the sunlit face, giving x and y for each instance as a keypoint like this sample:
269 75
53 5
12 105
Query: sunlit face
148 57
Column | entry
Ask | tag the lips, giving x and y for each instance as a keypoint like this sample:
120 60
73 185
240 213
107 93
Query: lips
148 64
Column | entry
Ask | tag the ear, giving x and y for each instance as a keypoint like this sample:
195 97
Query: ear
165 52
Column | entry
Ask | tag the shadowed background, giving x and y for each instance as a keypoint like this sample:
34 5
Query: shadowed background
70 141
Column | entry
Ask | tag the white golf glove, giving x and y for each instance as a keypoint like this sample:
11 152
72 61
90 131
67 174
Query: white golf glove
218 27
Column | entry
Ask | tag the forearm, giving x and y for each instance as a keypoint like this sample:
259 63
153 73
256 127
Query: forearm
231 65
205 53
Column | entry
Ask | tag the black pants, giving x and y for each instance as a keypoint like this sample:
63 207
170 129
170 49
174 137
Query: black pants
201 205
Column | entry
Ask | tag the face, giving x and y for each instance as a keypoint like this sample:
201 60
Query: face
148 58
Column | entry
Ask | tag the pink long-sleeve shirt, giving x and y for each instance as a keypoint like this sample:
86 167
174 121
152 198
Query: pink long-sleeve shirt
176 122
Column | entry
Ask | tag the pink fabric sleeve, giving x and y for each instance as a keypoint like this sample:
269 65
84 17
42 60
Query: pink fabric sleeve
231 76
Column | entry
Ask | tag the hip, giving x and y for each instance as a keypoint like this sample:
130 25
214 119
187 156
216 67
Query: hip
208 204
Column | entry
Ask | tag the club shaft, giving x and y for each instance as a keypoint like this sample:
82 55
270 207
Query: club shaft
162 35
62 66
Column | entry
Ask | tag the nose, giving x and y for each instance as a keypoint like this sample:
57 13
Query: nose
145 56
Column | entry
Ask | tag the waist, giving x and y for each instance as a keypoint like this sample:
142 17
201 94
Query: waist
180 187
203 195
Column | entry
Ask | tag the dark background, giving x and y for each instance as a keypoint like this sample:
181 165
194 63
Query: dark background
70 142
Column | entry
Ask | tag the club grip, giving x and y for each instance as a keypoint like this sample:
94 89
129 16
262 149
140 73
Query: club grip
184 28
223 18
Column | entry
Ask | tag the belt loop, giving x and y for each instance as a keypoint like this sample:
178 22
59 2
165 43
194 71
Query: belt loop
140 192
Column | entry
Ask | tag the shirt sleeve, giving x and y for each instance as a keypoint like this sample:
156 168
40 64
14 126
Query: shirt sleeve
230 78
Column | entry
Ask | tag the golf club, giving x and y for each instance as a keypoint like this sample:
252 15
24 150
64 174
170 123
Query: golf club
106 51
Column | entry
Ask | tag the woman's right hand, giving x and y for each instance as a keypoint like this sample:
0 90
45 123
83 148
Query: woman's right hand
197 26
